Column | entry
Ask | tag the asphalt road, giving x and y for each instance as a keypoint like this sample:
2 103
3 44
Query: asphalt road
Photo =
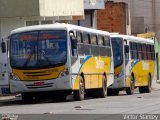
123 107
148 103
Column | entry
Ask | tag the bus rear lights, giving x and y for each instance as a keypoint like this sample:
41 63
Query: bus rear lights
12 76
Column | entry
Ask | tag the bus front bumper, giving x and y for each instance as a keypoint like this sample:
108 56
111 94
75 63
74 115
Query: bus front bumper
45 85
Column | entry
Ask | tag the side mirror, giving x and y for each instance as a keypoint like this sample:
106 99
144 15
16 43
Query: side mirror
3 47
126 49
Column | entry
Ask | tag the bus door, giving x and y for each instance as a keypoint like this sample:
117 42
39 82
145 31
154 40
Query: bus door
73 55
126 53
126 57
73 42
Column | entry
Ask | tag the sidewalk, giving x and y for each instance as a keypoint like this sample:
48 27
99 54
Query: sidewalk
156 85
9 97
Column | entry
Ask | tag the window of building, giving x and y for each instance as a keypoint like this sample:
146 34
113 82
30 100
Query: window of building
30 23
46 22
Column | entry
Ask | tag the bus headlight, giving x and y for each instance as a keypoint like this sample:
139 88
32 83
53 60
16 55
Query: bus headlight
64 73
12 76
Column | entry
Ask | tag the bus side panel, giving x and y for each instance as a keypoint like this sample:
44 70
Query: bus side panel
141 70
93 69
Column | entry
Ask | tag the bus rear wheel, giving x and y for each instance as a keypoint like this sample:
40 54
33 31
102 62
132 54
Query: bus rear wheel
102 92
130 90
79 94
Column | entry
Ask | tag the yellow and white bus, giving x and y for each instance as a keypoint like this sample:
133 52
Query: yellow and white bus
134 64
60 59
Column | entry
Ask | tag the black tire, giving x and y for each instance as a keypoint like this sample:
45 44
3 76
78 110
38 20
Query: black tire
130 90
62 97
79 94
148 87
102 92
142 89
113 92
92 93
27 98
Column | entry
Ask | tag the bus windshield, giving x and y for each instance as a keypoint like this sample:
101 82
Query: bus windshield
38 49
117 46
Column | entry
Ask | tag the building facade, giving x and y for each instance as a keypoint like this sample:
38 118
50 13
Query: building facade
143 17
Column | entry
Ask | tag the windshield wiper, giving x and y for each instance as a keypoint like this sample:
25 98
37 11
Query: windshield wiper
47 59
28 59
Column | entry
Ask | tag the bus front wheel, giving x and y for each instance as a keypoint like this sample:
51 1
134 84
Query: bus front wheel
79 94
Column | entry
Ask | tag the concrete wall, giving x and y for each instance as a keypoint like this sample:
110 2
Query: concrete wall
9 24
19 8
43 8
147 10
137 25
61 7
144 10
157 19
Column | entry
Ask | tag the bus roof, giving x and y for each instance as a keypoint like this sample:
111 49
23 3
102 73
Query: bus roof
134 38
57 26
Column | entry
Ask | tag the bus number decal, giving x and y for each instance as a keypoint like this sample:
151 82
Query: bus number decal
99 64
145 66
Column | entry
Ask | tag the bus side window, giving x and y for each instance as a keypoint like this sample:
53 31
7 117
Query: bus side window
100 40
148 52
94 43
102 49
153 52
80 45
86 44
144 51
139 48
107 41
79 37
93 39
86 38
133 50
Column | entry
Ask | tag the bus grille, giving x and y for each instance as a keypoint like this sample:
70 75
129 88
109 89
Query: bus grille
42 73
31 86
